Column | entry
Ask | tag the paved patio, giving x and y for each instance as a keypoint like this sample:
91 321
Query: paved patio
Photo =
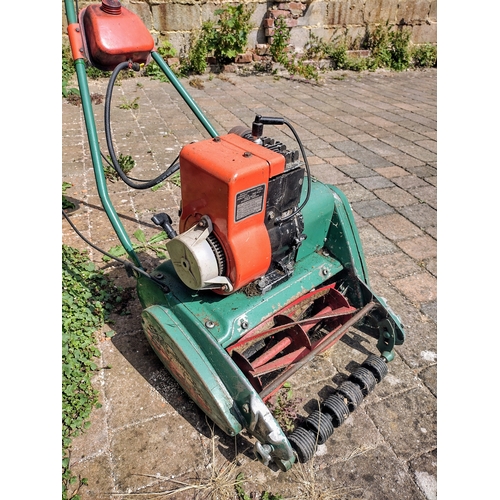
374 136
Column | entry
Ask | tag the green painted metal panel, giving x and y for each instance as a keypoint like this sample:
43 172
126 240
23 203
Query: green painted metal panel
317 217
213 381
226 315
343 238
189 365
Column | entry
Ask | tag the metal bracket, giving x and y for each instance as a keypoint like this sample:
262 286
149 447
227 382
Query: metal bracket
387 339
272 443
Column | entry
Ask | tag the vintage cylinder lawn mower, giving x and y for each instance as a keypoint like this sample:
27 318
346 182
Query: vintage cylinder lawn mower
265 270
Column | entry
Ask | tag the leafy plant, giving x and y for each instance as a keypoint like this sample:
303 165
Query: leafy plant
390 48
298 66
87 299
66 204
424 56
240 478
225 38
157 186
400 49
175 179
154 245
133 104
278 49
196 62
281 38
95 73
68 70
231 32
126 162
166 50
284 408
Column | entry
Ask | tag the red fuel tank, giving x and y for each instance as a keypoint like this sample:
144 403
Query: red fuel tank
112 35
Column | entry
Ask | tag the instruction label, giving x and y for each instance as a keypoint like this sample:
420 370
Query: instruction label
250 202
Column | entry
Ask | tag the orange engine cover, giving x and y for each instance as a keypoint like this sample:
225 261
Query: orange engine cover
113 34
226 178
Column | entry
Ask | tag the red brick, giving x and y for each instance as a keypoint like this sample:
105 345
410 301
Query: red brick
277 13
244 58
268 23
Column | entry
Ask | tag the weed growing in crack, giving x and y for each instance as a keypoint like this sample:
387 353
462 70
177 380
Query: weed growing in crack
154 245
126 162
285 408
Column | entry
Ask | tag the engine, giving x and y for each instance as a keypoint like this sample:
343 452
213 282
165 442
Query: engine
240 226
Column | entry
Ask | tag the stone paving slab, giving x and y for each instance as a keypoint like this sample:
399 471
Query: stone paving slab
372 134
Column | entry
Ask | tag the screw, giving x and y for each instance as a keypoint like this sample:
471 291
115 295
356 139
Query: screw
159 276
324 271
247 154
209 324
244 324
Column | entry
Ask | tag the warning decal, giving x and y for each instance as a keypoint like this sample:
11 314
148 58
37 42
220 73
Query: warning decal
249 202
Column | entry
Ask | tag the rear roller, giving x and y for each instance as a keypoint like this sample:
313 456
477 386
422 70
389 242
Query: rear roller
352 393
321 425
337 408
365 379
303 442
377 366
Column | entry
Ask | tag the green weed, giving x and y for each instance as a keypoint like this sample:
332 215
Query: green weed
126 163
66 204
133 104
266 495
390 48
166 50
68 71
196 61
425 56
175 179
224 39
229 38
278 49
284 407
154 244
94 73
88 297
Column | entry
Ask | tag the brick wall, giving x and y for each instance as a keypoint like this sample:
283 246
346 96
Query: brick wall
175 20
